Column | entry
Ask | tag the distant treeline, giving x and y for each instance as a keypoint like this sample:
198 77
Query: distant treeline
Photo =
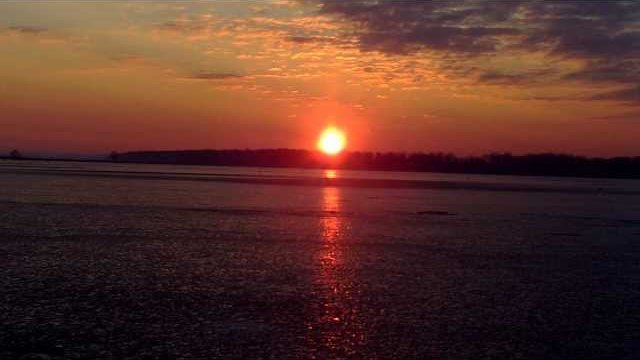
548 164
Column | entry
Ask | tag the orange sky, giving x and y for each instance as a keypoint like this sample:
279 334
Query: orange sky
463 77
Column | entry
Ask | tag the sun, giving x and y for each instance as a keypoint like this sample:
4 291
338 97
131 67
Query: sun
332 141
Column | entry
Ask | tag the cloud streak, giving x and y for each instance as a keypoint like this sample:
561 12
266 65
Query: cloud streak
215 76
32 30
630 95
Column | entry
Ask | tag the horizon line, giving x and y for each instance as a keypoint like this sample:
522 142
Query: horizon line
45 155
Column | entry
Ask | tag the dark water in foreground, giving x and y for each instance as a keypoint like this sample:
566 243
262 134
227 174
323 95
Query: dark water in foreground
147 261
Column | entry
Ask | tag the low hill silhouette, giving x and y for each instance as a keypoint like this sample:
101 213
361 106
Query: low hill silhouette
545 164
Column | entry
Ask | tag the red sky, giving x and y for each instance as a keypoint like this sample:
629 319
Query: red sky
468 77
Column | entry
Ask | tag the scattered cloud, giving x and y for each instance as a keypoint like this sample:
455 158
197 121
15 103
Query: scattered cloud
403 27
630 116
631 95
33 30
552 98
314 39
599 33
214 76
516 78
594 28
615 71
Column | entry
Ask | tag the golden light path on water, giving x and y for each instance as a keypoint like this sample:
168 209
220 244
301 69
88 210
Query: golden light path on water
339 332
330 174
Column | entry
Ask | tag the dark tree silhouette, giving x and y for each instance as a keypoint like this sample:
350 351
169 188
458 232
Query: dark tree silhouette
15 154
114 156
496 163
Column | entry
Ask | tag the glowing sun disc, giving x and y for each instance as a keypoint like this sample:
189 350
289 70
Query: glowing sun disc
332 141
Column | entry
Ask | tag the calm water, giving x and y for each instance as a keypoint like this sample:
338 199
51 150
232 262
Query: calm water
156 261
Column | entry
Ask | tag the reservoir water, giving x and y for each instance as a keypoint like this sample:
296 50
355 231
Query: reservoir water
160 261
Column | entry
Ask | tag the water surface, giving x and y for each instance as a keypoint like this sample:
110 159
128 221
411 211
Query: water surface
125 260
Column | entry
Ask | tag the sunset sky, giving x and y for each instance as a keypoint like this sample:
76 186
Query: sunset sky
468 77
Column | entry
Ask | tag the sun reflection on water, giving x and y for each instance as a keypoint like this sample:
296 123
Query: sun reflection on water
336 327
330 174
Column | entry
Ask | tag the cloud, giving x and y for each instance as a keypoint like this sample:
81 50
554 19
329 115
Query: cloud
182 26
616 71
552 98
27 29
526 77
631 95
599 33
318 40
214 76
627 116
193 28
401 27
37 34
426 44
32 30
404 27
593 28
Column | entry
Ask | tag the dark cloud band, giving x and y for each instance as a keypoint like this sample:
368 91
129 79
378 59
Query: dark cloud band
604 34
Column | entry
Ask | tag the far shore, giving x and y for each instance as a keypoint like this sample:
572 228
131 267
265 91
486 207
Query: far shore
545 164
